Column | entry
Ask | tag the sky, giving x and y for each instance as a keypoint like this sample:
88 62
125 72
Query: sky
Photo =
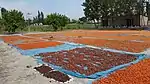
71 8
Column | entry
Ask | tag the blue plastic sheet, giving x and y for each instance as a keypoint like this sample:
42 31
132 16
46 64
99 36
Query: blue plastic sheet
68 46
1 40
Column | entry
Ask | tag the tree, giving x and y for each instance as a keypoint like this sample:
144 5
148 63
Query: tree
83 19
64 20
29 22
39 17
57 20
103 10
35 20
74 21
3 11
3 15
1 24
12 20
42 17
92 10
148 10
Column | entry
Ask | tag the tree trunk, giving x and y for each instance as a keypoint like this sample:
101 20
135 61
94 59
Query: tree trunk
61 28
55 28
106 21
98 23
112 24
95 24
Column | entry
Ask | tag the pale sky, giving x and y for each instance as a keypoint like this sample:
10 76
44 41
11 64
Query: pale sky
71 8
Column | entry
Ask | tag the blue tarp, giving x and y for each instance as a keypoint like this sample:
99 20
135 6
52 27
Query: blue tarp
1 40
68 46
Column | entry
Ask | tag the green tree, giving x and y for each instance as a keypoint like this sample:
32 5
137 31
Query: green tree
148 10
13 20
96 10
83 19
39 17
35 20
74 21
29 22
3 11
91 11
1 25
42 17
57 20
64 20
3 15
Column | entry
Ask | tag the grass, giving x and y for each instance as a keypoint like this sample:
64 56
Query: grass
80 26
41 28
46 28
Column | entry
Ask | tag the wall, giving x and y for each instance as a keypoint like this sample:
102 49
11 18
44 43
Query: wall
122 21
143 20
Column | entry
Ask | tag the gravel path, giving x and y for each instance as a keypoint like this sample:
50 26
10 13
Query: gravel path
13 69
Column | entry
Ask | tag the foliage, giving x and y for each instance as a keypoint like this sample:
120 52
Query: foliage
42 17
57 20
38 28
3 11
12 20
83 19
29 22
148 10
74 21
79 26
96 10
92 11
39 18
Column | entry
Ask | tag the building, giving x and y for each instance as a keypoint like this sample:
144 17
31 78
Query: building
132 20
136 20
